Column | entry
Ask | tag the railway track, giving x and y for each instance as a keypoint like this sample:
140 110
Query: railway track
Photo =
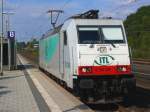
141 61
135 105
108 108
122 109
143 76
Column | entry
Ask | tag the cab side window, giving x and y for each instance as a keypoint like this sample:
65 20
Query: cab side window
65 38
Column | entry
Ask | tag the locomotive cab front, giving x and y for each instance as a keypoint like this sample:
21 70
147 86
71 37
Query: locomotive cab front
102 67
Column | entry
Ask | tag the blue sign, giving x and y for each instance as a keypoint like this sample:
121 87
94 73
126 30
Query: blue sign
11 34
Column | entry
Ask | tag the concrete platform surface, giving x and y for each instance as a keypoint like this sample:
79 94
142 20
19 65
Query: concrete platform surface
57 98
15 93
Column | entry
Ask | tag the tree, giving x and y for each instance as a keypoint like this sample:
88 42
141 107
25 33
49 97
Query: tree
137 26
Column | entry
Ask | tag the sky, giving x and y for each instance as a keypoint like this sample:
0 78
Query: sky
30 19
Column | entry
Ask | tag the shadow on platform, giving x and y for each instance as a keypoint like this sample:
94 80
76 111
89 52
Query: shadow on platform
9 77
23 67
4 92
3 87
80 107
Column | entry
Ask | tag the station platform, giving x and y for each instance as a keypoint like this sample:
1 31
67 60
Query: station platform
30 90
15 93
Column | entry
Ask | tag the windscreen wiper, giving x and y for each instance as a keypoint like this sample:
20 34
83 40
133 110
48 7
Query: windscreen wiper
113 44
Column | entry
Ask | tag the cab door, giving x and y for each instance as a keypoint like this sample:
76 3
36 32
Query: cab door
62 54
64 57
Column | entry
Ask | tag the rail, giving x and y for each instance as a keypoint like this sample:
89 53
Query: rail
141 61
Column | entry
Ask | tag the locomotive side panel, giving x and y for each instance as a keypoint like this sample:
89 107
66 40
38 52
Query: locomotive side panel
56 54
49 54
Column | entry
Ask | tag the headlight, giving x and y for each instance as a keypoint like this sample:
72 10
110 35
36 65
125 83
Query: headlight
86 69
83 69
121 68
124 69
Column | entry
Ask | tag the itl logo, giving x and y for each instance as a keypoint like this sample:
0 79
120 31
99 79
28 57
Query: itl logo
104 60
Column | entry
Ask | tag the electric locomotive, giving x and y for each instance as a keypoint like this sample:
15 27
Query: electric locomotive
91 56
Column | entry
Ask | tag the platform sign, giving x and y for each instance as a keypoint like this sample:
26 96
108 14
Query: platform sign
11 35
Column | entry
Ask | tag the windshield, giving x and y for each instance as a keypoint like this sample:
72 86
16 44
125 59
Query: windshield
100 34
89 35
112 34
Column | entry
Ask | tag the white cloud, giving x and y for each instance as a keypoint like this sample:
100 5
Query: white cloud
125 7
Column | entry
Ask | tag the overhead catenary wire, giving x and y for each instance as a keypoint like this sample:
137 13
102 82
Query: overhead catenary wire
65 4
142 31
121 6
43 14
62 8
39 27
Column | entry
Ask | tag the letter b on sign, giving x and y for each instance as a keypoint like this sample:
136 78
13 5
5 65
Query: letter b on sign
11 34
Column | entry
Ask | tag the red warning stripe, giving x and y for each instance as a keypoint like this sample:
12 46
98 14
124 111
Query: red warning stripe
104 70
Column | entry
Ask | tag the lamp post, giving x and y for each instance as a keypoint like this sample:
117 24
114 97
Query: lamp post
8 14
1 69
